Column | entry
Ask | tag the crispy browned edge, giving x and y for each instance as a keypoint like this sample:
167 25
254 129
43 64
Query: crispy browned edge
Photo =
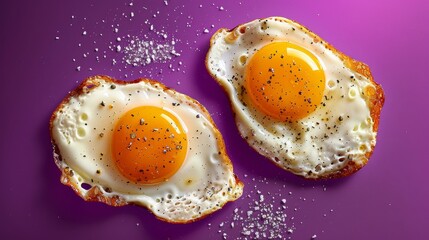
94 193
375 103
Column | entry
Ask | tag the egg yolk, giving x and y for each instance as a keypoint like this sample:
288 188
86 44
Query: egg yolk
149 145
285 81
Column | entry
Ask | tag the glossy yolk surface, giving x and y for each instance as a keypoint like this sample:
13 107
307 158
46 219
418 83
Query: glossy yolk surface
285 81
149 145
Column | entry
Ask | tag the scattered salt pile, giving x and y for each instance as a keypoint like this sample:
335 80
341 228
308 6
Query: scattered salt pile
140 52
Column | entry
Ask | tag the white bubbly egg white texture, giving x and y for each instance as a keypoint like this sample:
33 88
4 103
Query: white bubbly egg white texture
338 130
82 131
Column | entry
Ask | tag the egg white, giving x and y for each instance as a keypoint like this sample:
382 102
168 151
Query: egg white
82 129
334 135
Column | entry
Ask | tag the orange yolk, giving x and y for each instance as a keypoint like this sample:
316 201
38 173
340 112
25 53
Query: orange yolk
149 145
285 81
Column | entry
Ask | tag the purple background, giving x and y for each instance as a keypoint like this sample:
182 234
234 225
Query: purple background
388 199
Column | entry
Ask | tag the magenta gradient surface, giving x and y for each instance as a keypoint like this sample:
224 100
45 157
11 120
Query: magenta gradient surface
387 199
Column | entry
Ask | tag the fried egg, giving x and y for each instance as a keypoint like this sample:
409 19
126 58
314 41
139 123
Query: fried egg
140 142
297 100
